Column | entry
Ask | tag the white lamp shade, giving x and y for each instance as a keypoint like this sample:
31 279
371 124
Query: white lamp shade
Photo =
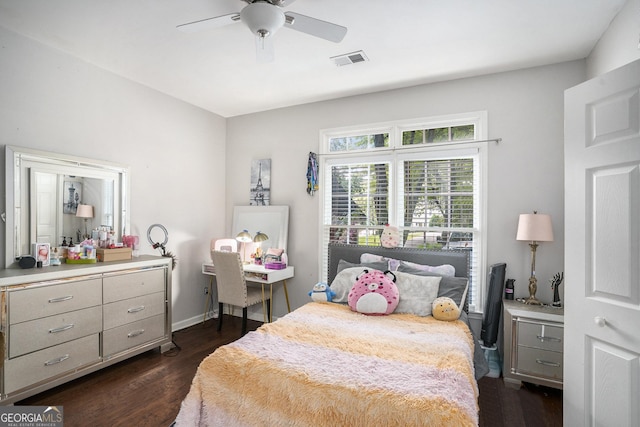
84 211
535 228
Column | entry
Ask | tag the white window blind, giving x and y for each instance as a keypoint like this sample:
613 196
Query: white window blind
359 201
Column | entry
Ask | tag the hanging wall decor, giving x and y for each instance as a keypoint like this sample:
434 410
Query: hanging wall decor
312 173
260 194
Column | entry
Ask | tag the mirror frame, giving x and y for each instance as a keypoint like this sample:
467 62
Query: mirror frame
18 225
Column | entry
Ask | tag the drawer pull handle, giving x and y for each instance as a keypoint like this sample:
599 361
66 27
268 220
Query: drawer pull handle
135 333
56 360
552 339
547 363
61 328
60 299
136 309
600 321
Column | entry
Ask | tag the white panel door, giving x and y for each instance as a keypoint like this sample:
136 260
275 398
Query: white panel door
602 253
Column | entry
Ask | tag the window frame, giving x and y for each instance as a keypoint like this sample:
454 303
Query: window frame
397 153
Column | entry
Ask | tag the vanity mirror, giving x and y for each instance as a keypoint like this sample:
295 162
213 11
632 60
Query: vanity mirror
51 196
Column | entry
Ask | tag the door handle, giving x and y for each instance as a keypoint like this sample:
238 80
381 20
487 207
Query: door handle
600 321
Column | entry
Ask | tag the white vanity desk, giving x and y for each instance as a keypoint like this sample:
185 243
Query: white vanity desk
60 323
260 275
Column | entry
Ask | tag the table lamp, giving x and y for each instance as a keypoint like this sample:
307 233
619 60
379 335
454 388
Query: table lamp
244 237
85 212
534 228
258 239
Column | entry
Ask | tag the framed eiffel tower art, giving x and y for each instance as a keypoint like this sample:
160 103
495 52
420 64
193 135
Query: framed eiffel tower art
260 194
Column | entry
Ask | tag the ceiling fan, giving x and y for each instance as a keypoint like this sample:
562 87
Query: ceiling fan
264 18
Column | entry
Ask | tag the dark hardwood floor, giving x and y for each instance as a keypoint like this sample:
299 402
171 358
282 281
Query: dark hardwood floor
146 390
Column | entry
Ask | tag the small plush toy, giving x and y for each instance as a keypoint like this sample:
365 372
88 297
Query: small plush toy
321 292
444 308
390 237
374 292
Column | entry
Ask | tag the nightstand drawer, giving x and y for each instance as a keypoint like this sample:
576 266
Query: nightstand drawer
540 335
542 363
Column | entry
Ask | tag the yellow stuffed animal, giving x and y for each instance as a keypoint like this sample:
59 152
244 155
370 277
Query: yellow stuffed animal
444 308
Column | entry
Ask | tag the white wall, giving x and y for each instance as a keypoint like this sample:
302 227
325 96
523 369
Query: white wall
620 44
53 102
526 170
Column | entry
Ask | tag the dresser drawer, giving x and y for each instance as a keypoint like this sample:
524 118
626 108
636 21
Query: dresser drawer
125 286
37 334
541 363
32 368
131 335
28 304
122 312
540 335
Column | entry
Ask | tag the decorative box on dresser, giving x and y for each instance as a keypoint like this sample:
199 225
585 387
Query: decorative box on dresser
60 323
533 344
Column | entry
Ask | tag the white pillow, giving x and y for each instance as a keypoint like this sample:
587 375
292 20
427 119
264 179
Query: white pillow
443 270
417 293
393 263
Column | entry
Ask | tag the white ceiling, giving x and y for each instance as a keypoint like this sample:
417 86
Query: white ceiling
408 42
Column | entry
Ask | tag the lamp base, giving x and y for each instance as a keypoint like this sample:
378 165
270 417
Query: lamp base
533 287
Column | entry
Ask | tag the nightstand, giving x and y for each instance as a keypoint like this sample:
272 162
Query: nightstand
533 344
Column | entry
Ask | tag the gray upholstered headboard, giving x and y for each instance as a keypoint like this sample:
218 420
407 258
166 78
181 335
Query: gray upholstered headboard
351 253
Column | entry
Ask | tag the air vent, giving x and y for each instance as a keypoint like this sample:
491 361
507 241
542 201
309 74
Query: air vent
349 58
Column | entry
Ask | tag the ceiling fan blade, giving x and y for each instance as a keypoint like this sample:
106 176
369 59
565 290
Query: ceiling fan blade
265 51
282 3
316 27
206 24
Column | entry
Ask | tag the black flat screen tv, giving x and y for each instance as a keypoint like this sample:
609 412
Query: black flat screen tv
493 306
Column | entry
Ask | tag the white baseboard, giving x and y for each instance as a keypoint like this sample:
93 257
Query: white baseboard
237 312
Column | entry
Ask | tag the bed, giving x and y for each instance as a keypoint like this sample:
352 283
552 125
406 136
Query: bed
324 364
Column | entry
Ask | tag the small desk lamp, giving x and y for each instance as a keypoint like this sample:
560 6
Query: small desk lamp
534 228
244 237
85 212
258 239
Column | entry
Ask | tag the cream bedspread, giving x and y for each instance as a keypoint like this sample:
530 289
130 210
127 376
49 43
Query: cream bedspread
324 365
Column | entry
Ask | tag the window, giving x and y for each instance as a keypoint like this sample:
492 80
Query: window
425 177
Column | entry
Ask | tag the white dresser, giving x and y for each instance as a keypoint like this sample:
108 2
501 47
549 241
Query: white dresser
533 344
59 323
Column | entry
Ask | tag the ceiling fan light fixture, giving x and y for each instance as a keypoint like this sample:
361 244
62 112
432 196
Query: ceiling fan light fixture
262 18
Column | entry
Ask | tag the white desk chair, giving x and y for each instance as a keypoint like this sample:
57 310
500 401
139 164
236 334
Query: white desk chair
232 286
225 245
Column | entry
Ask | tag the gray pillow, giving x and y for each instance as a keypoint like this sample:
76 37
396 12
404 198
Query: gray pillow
346 277
452 287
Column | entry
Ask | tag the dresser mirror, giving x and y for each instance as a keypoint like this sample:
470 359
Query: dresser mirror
44 191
